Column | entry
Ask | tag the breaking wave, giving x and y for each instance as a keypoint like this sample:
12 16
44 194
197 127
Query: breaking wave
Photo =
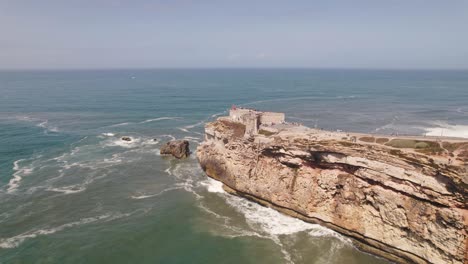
15 241
446 130
159 119
18 175
266 222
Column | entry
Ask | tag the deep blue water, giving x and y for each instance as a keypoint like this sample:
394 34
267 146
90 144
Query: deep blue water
72 192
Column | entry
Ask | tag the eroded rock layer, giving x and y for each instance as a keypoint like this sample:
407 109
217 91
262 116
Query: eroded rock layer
400 198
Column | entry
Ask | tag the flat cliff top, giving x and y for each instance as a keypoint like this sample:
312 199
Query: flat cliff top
401 197
446 155
453 151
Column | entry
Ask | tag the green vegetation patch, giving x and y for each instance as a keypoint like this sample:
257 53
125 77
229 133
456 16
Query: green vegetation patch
266 132
382 140
427 147
367 139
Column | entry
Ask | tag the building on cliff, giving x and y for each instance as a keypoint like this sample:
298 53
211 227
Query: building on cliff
399 197
253 119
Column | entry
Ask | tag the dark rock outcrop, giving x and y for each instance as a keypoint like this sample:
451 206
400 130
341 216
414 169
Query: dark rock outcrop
125 138
177 148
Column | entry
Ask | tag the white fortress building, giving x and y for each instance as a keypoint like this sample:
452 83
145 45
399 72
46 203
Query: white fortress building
253 119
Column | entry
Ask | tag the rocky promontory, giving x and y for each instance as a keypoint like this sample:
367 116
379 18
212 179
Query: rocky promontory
177 148
402 198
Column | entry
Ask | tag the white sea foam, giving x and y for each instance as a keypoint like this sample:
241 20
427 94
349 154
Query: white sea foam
120 124
269 220
68 189
193 139
18 175
15 241
213 186
108 134
45 124
134 142
144 196
151 142
169 136
183 129
196 124
159 119
218 114
42 123
446 130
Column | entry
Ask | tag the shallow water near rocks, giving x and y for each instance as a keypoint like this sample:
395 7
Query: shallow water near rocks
71 191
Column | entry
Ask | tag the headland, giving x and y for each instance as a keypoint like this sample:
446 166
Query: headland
399 197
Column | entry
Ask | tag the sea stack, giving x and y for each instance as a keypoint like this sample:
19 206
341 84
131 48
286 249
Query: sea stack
402 198
177 148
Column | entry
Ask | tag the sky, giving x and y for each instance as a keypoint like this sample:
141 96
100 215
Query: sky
371 34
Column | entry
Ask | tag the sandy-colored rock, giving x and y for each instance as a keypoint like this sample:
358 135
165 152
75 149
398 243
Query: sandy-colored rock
408 205
177 148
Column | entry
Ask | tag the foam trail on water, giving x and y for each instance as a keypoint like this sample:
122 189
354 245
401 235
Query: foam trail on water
144 196
169 136
183 129
45 125
159 119
68 189
15 241
120 124
196 124
14 182
194 138
218 114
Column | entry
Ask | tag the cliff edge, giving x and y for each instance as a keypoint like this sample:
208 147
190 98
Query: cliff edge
402 198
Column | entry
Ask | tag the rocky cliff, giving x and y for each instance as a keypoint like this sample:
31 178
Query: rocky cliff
400 198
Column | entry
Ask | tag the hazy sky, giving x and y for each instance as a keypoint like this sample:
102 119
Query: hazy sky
235 33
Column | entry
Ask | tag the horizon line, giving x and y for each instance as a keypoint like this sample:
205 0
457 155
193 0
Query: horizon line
224 68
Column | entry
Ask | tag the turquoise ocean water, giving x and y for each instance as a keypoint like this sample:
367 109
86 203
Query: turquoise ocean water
72 192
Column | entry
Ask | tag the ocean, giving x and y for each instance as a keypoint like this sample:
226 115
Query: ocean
72 192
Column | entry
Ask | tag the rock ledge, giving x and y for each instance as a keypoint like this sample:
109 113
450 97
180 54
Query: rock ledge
402 198
177 148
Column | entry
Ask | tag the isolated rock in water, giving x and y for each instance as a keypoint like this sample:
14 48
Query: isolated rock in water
126 138
177 148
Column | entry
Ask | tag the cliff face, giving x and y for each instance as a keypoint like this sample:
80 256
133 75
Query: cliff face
400 198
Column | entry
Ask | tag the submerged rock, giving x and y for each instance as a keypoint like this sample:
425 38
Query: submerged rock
177 148
126 138
396 197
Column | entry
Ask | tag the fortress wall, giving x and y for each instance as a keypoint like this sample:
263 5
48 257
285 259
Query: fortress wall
252 119
236 114
251 122
271 118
